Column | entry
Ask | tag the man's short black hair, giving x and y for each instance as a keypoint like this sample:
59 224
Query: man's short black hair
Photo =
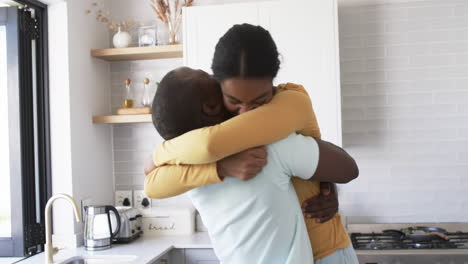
177 105
245 51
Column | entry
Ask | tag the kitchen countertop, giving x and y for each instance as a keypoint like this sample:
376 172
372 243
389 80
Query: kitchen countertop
147 249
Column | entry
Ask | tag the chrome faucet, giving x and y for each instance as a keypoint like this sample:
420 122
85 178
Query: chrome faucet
49 250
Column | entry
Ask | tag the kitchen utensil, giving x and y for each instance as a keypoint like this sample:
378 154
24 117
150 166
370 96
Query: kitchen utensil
419 233
98 231
146 100
128 100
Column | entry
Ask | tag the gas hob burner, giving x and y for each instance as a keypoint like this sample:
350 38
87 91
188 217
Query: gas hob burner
390 241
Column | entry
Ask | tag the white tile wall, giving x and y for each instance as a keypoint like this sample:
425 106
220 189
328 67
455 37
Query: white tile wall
404 73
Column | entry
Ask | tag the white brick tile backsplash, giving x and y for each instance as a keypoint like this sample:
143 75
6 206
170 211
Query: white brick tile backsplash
162 65
123 132
435 85
407 26
387 63
351 29
461 34
461 59
409 99
423 13
457 47
411 111
432 36
409 131
461 84
118 78
384 12
124 179
463 109
353 114
383 40
411 50
360 77
388 135
389 87
130 155
361 53
409 75
351 42
129 166
461 10
452 97
121 66
364 125
449 23
352 89
362 101
354 65
431 134
428 61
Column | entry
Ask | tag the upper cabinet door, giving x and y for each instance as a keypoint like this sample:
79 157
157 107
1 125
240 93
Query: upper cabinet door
306 33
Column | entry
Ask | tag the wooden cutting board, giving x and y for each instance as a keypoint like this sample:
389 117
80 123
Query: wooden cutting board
134 111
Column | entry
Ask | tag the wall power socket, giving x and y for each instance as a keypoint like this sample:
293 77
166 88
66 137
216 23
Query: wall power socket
141 200
123 198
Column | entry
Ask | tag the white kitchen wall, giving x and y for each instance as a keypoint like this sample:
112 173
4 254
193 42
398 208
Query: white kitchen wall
79 88
404 73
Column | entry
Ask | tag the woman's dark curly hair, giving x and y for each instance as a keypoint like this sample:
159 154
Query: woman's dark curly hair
245 51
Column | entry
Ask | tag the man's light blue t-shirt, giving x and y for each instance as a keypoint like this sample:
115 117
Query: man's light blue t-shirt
260 220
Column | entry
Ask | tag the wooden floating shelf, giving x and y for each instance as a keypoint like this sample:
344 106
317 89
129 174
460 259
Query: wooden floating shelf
139 53
122 119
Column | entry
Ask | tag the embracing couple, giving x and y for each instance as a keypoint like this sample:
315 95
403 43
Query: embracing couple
250 155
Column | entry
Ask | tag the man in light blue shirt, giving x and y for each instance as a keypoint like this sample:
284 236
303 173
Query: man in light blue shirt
260 221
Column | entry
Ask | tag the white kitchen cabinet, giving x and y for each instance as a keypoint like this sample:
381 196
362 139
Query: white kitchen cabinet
200 256
306 33
188 256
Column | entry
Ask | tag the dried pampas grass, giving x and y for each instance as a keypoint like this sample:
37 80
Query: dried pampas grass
170 15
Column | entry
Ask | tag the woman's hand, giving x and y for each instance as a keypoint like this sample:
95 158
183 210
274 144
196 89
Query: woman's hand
324 206
244 165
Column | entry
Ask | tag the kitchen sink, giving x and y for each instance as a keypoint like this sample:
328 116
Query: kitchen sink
121 259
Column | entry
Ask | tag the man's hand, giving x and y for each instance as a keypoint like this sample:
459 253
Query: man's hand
244 165
323 206
149 165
